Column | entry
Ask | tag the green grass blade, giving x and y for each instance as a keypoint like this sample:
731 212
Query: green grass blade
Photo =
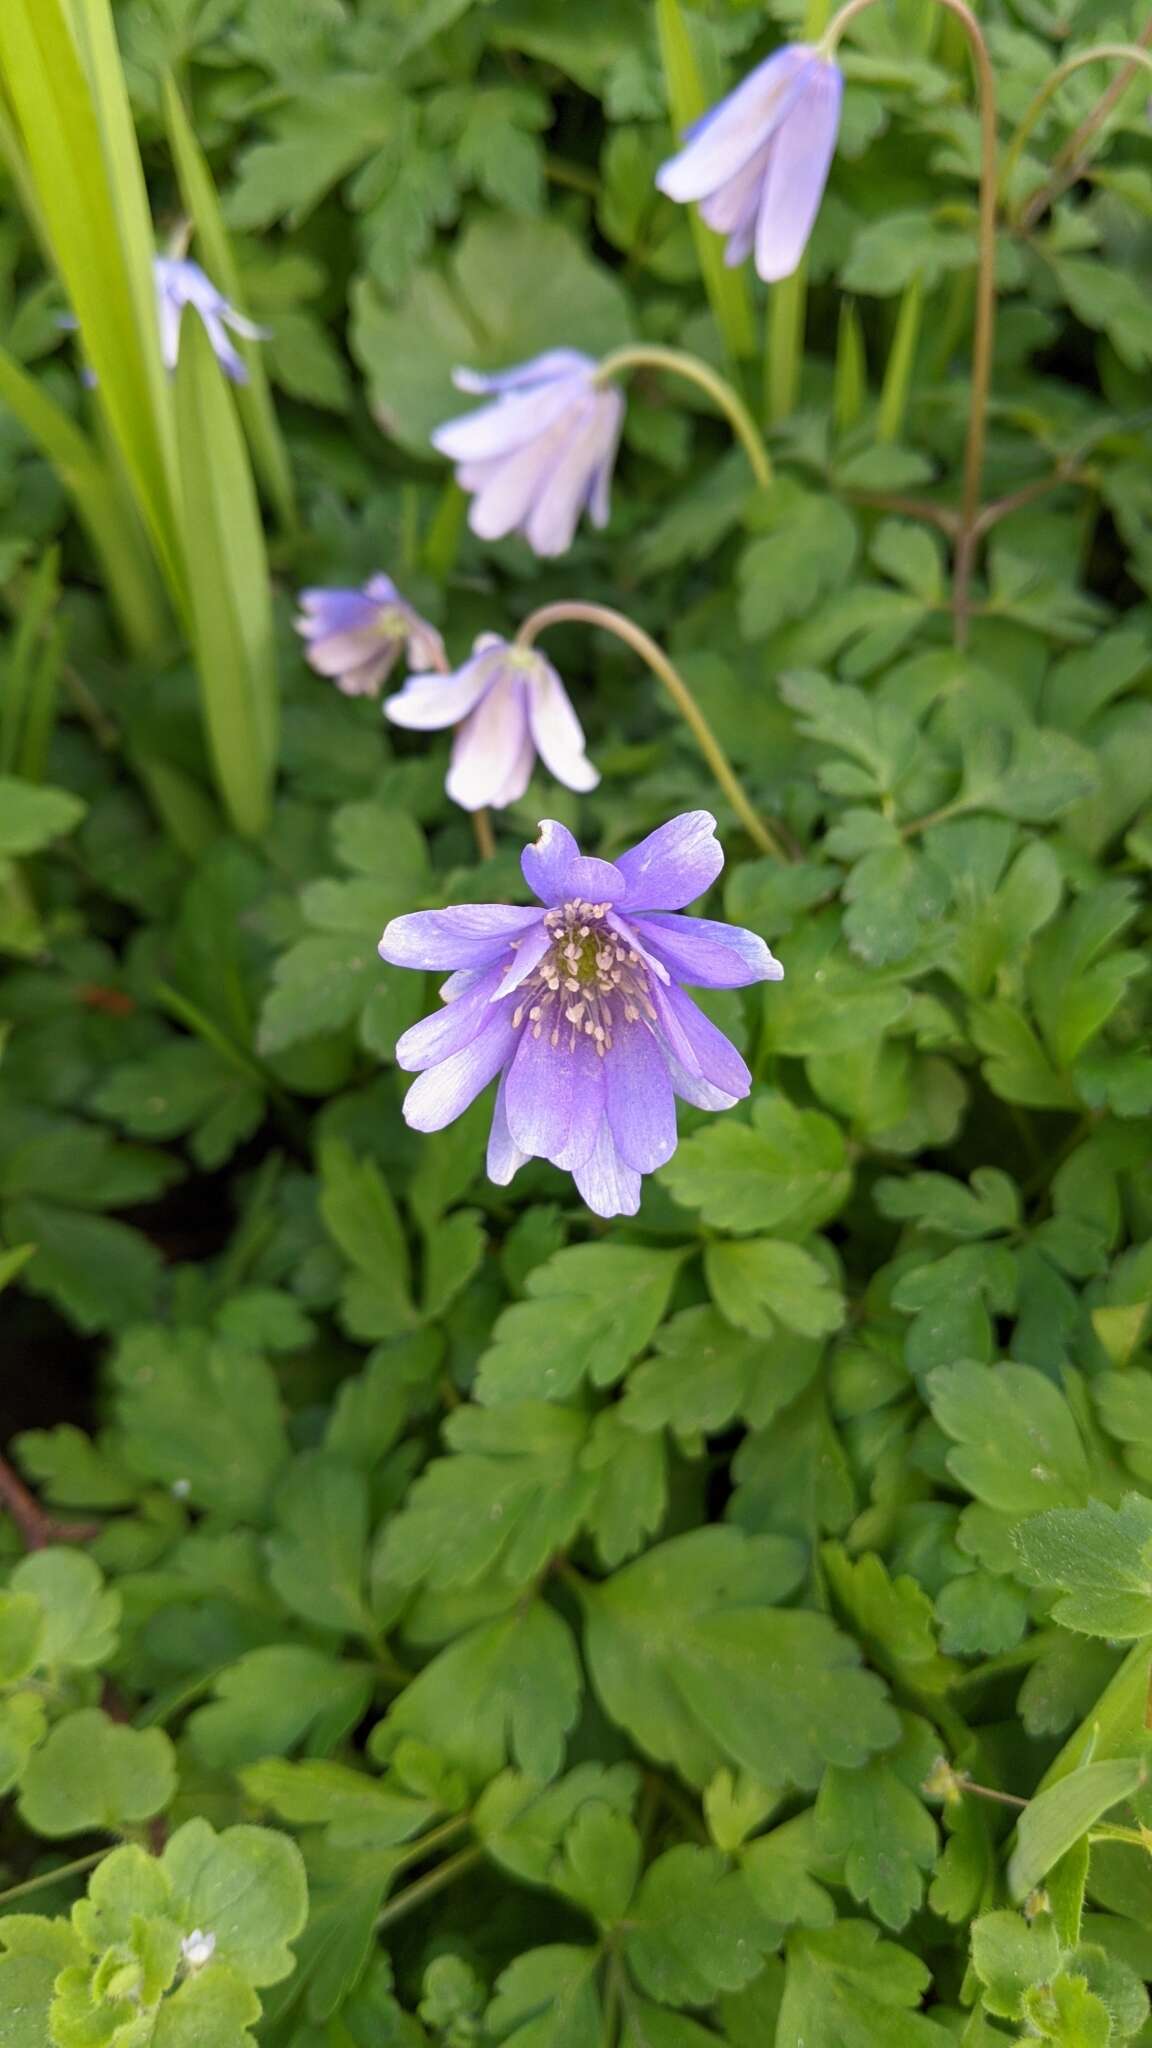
228 581
687 99
254 398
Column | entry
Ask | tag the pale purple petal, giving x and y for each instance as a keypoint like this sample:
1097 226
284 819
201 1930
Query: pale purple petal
491 743
588 1111
690 1088
467 935
673 866
556 730
442 1093
335 653
639 1100
707 954
506 490
517 773
171 312
555 362
591 433
447 1030
530 950
508 423
228 357
697 1044
367 678
557 872
797 174
737 126
609 1187
539 1093
429 702
504 1158
337 610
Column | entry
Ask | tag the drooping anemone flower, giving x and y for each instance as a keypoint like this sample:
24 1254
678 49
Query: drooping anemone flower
509 705
541 453
578 1007
758 161
180 283
357 636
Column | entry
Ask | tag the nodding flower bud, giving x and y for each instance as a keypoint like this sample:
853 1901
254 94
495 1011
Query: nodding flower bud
357 636
509 706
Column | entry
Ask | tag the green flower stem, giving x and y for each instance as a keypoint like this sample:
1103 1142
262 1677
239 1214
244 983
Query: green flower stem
784 355
688 98
1129 53
1070 160
47 1877
633 636
648 355
426 1887
985 322
901 359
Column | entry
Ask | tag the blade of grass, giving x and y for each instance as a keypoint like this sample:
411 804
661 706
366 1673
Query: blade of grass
254 398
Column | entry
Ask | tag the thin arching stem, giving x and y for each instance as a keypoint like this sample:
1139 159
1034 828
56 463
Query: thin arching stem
1129 54
633 636
1070 160
648 355
985 321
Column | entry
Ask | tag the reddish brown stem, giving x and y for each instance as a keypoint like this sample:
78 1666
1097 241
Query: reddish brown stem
1072 159
36 1526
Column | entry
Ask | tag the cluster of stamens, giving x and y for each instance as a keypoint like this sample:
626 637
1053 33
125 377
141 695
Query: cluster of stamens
589 982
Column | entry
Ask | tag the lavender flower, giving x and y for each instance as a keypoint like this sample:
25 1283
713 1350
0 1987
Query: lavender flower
510 705
180 283
578 1008
355 636
759 160
541 454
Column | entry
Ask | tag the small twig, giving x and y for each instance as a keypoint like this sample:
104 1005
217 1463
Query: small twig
37 1527
485 839
426 1888
1071 161
1064 473
910 508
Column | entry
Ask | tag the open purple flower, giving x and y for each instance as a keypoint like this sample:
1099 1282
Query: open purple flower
356 636
509 705
541 454
180 283
758 162
578 1008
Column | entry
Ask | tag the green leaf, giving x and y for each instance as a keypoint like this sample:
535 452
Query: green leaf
688 1655
95 1773
247 1887
1101 1560
274 1698
522 1824
1009 1954
762 1282
184 1088
806 547
936 1203
846 1988
884 1835
348 1802
32 816
23 1725
1018 1446
317 1552
206 1417
102 1273
508 1691
547 1998
21 1635
694 1928
589 1310
319 985
361 1216
601 1861
1060 1815
211 2010
80 1615
705 1373
787 1166
901 245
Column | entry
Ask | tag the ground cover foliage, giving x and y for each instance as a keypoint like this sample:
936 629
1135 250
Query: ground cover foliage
431 1614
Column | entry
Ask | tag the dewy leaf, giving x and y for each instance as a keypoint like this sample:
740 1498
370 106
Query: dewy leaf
1060 1815
847 1988
547 1998
589 1310
1100 1558
1018 1448
694 1929
81 1616
94 1773
759 1283
317 1554
245 1886
204 1416
787 1166
509 1691
688 1654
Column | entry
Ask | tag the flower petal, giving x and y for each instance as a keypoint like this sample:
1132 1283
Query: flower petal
541 369
466 935
588 1111
489 749
367 678
504 1158
590 437
673 866
556 730
530 950
706 953
507 423
797 173
736 126
443 1092
538 1097
698 1046
609 1187
429 702
436 1037
639 1100
557 872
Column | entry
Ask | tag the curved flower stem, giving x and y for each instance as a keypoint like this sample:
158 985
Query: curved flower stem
633 636
1070 160
648 355
985 324
1120 53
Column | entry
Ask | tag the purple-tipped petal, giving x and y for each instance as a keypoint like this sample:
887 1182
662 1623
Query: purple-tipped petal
443 1092
639 1100
492 752
698 1045
673 866
467 935
504 1158
427 703
555 362
737 126
557 872
609 1187
797 174
556 730
446 1031
707 954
